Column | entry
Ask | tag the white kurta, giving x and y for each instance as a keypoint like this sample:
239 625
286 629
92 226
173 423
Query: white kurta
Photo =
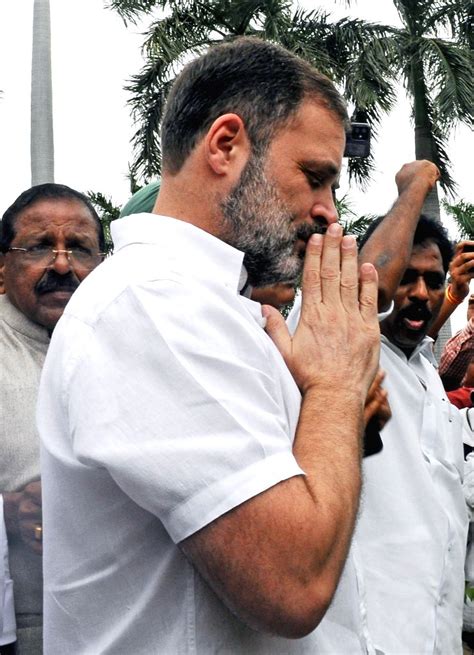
410 541
163 405
413 522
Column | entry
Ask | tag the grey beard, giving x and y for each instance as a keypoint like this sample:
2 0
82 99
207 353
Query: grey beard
257 222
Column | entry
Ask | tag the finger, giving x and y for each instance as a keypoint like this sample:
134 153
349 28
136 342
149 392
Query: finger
349 274
385 412
379 406
277 329
370 409
376 384
311 280
32 532
29 510
331 265
368 292
380 376
33 489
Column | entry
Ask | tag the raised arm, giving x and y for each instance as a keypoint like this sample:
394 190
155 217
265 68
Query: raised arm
276 559
461 272
390 245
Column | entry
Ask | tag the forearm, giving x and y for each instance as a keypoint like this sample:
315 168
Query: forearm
461 272
447 308
328 448
289 550
389 247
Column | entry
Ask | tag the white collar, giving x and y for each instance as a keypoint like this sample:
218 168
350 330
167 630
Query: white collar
197 249
425 347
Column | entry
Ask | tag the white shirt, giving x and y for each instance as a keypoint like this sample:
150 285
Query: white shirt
412 526
163 405
408 549
7 610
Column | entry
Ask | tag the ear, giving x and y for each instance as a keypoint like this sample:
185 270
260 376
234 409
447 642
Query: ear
227 145
2 276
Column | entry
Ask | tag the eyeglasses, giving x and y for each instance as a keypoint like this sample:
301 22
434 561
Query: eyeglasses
45 255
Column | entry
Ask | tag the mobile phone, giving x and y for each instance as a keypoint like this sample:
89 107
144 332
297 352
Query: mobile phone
358 141
468 248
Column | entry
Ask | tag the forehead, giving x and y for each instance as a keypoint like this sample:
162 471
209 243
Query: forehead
426 256
51 216
313 132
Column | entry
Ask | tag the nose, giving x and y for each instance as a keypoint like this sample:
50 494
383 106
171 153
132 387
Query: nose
61 263
419 289
324 210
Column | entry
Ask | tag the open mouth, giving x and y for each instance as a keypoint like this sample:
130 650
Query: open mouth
414 325
415 318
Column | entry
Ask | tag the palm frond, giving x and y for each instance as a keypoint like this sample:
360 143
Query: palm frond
463 214
130 10
449 75
455 16
441 159
351 223
108 212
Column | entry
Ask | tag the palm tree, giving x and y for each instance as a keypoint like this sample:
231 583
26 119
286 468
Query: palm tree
433 54
352 52
463 214
107 212
42 146
438 76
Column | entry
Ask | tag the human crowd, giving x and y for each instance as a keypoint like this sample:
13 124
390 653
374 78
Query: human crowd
183 470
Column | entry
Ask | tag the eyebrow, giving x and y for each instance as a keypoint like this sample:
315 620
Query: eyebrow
48 236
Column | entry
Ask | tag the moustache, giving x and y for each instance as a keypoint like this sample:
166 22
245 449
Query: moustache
305 231
416 312
54 282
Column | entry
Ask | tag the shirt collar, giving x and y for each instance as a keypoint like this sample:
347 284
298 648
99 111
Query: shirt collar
193 247
425 347
17 321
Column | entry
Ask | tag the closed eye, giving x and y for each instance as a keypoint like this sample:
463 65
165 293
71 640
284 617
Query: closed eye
315 180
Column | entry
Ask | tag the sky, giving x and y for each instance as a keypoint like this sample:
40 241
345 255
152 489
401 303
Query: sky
93 56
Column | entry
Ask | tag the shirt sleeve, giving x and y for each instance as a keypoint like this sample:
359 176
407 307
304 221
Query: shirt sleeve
184 401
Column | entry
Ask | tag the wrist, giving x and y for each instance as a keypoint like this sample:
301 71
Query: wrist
453 296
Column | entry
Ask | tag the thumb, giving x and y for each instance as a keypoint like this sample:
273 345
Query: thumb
277 329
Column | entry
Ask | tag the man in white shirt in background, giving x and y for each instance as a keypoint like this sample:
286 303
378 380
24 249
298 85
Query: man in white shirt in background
412 527
410 539
200 490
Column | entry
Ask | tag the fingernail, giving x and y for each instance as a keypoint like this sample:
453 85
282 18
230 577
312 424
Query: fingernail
348 241
316 238
334 230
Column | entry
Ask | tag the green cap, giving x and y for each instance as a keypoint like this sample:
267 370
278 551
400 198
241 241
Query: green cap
142 201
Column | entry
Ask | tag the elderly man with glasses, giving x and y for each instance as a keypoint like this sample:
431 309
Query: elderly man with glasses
51 238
